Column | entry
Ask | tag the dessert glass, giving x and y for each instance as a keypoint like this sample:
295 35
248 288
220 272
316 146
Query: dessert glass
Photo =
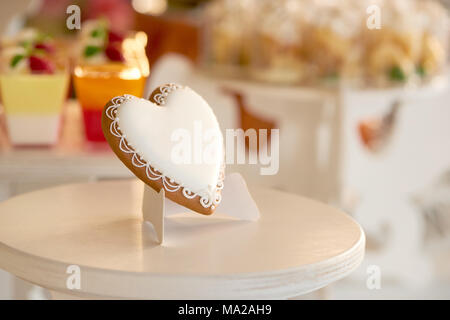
33 106
96 84
33 85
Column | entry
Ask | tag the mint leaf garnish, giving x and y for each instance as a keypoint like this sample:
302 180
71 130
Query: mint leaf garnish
42 37
420 70
98 33
397 74
28 46
90 51
16 59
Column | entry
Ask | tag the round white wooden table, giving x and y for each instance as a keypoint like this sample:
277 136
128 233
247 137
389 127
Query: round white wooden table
296 247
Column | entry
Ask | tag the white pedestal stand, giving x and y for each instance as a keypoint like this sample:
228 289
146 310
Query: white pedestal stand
89 241
236 203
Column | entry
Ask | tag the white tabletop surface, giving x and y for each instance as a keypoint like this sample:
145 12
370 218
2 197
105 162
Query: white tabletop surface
297 246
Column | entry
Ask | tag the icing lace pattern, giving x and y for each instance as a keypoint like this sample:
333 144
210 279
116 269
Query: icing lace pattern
206 200
161 97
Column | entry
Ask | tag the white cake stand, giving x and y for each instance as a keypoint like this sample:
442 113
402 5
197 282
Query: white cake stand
296 247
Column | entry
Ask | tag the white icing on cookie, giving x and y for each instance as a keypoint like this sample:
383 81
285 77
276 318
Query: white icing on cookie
146 130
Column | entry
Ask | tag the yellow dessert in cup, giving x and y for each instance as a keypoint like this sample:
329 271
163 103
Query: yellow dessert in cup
33 85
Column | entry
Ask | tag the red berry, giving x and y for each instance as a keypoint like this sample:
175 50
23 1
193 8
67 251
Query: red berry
45 46
114 54
114 37
40 66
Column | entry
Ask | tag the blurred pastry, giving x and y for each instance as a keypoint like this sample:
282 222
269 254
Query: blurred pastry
228 31
276 51
318 41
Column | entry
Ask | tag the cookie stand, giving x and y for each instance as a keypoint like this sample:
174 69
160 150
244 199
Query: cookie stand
90 241
237 203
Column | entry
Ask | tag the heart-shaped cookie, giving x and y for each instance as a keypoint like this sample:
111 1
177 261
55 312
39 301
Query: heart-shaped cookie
171 141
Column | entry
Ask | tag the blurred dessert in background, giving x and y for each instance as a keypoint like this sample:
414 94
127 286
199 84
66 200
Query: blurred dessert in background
227 33
277 39
315 42
34 81
411 45
110 64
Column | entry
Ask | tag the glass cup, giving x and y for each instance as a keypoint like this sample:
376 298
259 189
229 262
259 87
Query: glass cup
33 105
96 84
